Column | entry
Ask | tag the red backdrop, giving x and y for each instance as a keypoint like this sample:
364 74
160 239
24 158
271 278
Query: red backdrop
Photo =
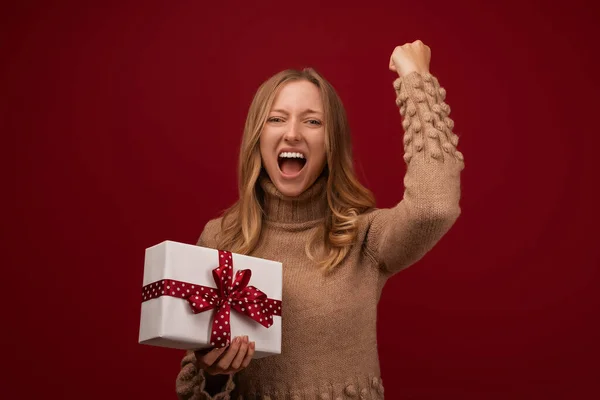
121 124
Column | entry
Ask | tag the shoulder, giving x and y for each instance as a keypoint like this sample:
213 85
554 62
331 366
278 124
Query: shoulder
208 237
364 222
365 218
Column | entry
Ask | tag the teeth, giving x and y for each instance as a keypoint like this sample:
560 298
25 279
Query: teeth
286 154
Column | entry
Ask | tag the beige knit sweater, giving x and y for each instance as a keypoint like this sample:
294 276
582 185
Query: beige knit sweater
329 347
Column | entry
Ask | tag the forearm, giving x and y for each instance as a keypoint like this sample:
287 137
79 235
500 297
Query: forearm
400 236
432 180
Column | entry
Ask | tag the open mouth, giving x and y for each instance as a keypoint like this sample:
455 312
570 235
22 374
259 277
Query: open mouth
291 163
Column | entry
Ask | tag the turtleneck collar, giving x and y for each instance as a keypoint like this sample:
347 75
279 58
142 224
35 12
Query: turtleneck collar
309 206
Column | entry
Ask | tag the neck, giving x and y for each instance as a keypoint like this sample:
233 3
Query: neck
310 205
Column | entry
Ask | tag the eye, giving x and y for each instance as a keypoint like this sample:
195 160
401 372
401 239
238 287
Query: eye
274 119
314 122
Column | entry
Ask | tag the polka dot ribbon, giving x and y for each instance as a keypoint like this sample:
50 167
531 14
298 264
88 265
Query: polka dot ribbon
230 292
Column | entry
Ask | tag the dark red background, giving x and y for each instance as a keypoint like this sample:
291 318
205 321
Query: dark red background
121 124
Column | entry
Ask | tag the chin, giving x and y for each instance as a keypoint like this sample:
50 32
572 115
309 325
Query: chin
290 189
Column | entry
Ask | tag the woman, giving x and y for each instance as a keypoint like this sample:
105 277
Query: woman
301 204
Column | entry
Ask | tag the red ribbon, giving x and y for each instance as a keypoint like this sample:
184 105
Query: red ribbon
229 293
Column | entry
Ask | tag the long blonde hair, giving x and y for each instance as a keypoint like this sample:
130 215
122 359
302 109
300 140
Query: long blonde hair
242 223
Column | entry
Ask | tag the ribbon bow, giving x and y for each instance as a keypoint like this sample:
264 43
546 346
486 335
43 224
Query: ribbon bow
229 293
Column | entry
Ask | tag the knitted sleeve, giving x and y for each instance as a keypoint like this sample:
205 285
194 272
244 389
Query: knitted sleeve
400 236
191 382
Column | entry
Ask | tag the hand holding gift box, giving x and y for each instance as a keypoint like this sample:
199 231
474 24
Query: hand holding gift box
195 297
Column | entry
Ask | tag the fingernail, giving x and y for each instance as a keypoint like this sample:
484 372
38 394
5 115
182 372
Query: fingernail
237 339
252 345
245 339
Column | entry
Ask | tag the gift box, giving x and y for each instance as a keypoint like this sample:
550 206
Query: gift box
195 297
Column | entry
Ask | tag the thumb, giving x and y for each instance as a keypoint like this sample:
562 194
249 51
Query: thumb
392 67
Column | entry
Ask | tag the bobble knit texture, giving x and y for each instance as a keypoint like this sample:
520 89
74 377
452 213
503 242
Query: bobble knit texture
329 348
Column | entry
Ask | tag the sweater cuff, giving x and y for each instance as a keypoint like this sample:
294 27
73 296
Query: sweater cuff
209 390
191 383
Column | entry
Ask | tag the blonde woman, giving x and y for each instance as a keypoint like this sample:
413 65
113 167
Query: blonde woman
300 203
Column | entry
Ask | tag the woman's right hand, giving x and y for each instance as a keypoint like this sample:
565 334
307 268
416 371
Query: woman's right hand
227 360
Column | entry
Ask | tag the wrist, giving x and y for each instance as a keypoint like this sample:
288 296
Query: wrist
420 71
215 383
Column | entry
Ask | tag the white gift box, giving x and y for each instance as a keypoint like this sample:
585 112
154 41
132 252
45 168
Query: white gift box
170 321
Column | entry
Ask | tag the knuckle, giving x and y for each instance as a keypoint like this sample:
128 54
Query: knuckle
221 366
228 361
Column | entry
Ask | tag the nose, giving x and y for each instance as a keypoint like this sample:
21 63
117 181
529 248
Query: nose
293 133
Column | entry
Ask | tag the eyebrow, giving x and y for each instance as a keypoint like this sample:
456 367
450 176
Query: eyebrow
307 111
